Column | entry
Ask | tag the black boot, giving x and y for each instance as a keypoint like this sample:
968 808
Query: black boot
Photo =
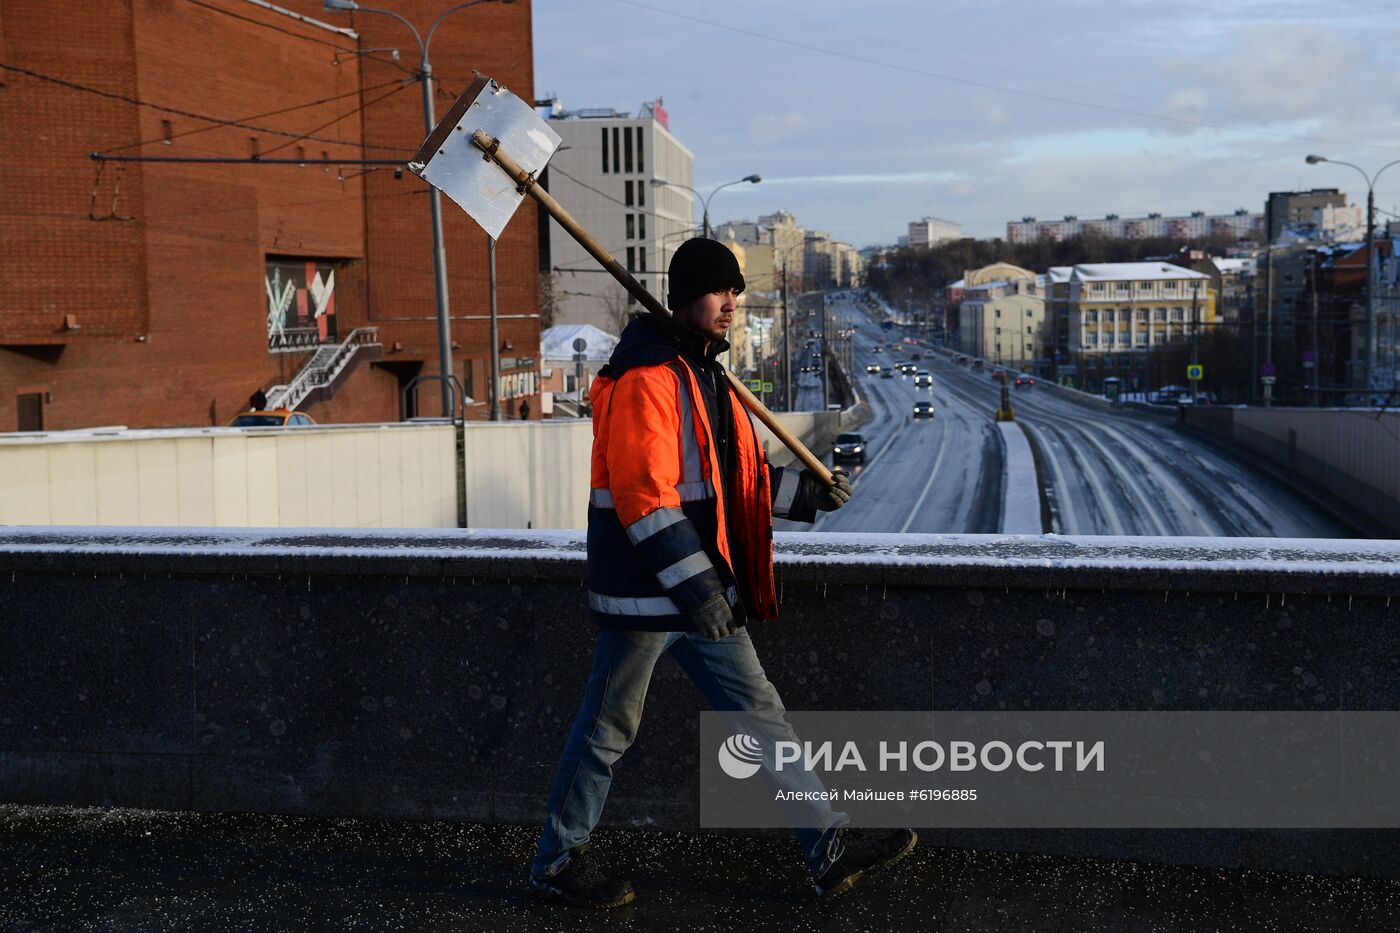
862 855
582 883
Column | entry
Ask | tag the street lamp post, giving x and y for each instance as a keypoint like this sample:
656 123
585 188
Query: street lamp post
1369 346
705 200
444 323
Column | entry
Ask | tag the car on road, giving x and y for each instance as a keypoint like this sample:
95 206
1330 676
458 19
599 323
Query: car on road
960 360
887 372
977 366
916 356
1024 380
923 379
272 418
908 369
873 369
848 447
998 375
878 349
923 409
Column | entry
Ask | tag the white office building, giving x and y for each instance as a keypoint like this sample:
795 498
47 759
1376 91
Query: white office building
930 231
606 174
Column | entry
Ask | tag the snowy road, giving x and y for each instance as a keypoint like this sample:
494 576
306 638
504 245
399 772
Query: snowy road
1107 473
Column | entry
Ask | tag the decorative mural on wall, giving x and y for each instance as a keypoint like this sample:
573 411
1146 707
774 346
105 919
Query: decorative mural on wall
300 303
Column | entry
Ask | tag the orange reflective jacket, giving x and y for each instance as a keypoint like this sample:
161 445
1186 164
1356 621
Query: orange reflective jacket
660 540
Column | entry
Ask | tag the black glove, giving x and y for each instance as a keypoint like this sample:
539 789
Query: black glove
713 618
833 497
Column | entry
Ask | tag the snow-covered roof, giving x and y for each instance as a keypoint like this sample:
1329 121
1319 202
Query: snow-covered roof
1059 273
557 342
1132 271
957 284
1231 266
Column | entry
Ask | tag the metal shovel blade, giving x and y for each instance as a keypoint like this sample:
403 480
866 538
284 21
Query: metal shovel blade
448 161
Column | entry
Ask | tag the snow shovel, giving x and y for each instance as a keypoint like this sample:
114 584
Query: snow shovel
484 154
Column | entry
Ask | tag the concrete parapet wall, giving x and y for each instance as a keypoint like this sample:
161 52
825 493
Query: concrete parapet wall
531 474
435 673
1352 455
389 475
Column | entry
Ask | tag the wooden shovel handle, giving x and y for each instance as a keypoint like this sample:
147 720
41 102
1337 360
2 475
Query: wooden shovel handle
492 149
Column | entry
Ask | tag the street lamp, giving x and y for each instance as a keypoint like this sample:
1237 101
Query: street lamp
444 325
1369 344
663 183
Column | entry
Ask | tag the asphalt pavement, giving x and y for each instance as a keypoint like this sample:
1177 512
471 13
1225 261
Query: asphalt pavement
93 869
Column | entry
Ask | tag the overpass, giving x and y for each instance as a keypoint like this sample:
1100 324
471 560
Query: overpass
433 674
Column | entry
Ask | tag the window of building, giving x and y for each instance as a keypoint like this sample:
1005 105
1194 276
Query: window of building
617 152
605 150
631 227
166 131
468 379
998 330
640 168
631 257
641 226
31 411
626 149
641 193
1097 287
627 193
1144 286
1159 314
1091 317
254 148
642 259
1108 316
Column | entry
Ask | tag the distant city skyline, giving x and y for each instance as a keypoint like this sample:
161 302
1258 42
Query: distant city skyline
860 124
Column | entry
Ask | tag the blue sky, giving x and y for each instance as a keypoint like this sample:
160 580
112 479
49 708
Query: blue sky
862 116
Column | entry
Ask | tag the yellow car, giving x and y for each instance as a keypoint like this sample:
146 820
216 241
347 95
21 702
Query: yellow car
276 418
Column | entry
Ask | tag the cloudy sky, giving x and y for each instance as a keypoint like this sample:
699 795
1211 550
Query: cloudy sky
866 114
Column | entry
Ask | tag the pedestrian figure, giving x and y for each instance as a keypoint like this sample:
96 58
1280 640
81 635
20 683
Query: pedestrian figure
525 410
680 561
257 401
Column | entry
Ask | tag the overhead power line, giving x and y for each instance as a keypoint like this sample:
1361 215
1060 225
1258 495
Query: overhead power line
124 98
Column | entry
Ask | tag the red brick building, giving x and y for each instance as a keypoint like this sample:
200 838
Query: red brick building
164 293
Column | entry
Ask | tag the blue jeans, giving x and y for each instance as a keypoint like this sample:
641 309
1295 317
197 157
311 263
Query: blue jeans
728 674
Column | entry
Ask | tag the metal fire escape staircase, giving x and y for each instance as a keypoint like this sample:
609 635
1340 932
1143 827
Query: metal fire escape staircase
322 375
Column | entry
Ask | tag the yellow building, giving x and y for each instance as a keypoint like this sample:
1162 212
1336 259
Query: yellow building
1122 307
1001 314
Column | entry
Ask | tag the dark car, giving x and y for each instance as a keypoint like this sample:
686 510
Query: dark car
873 369
960 360
1024 379
923 380
923 409
998 375
887 372
848 447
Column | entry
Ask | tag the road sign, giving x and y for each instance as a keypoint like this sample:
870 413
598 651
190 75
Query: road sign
768 387
1308 359
1266 369
1268 380
1195 372
580 344
755 385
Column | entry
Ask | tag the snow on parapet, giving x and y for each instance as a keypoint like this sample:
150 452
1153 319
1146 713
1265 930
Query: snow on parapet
1325 556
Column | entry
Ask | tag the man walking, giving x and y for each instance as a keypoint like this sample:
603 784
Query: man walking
679 561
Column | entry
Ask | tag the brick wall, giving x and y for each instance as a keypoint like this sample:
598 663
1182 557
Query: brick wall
161 266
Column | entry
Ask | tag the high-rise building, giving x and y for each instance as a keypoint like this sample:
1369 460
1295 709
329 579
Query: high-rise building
1295 208
608 174
930 231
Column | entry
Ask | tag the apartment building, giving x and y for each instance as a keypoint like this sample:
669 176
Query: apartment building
930 231
1194 225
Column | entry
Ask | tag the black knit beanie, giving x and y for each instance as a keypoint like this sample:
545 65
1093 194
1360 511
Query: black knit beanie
701 266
